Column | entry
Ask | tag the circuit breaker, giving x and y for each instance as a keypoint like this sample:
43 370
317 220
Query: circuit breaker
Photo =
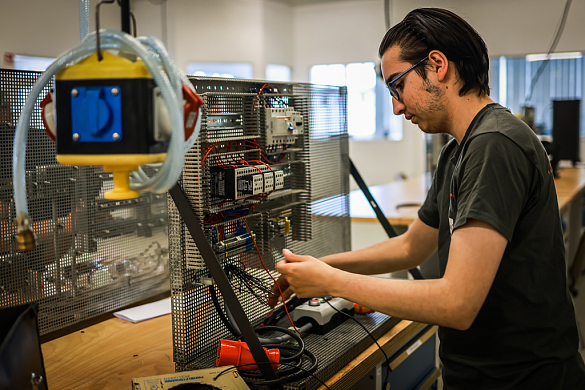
283 126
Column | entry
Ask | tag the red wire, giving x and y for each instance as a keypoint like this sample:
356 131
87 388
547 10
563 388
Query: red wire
209 149
261 162
271 277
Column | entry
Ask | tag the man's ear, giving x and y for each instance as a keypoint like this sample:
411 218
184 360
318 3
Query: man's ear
439 64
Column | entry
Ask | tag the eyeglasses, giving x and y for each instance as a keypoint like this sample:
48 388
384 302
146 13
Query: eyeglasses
390 84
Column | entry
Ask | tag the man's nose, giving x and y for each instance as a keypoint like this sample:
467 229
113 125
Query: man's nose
398 107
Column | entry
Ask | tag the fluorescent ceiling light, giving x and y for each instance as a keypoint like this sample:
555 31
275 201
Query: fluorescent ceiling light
553 56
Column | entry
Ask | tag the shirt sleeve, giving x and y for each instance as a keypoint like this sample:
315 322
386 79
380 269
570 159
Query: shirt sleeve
494 183
429 211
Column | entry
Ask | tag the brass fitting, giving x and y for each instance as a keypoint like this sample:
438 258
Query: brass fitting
25 238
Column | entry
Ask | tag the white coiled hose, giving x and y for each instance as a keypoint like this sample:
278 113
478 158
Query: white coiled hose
166 76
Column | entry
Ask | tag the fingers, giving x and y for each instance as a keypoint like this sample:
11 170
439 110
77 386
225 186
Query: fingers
286 294
289 256
284 268
273 300
273 297
280 285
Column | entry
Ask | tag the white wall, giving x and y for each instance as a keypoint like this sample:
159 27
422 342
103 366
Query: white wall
337 32
253 31
278 34
46 28
516 27
213 31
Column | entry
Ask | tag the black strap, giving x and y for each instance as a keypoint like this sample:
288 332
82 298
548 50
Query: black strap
415 272
222 282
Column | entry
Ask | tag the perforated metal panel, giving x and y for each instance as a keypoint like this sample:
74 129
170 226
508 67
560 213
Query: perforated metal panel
314 199
95 255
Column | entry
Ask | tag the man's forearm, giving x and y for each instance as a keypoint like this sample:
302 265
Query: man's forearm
454 300
427 301
387 256
402 252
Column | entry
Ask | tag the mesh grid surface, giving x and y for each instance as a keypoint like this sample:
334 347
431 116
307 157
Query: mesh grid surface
94 255
314 199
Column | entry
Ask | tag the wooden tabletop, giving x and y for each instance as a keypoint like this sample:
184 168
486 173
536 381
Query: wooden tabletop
400 200
108 355
569 184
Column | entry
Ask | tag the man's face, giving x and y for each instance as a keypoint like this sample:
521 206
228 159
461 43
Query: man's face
421 101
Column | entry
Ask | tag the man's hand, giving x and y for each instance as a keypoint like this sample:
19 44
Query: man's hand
280 285
303 275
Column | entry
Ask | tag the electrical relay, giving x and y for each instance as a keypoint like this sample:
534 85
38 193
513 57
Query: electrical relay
283 126
240 182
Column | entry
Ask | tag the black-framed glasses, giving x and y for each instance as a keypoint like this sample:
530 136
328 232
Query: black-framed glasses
390 84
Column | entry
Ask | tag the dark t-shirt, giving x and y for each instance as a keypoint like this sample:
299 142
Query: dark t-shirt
525 334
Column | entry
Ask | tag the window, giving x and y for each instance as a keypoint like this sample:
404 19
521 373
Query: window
32 63
562 78
277 73
18 96
369 113
220 69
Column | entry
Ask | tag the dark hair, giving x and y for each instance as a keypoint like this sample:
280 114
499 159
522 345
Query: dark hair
427 29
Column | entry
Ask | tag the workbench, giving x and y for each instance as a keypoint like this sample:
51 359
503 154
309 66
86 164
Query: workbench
109 354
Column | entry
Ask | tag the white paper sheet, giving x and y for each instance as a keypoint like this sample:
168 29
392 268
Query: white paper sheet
145 312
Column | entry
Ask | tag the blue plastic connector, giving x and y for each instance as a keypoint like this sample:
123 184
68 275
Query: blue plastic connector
96 114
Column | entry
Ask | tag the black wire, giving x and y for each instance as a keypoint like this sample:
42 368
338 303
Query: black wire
280 312
250 282
133 18
292 334
220 311
286 364
221 314
552 48
369 334
97 27
284 376
302 373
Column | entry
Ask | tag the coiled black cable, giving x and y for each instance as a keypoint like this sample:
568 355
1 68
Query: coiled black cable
286 364
290 374
291 355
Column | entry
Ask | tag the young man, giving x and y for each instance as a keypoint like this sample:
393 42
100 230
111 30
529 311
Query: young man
506 318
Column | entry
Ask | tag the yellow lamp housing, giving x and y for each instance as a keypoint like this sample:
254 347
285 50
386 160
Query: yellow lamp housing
105 116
